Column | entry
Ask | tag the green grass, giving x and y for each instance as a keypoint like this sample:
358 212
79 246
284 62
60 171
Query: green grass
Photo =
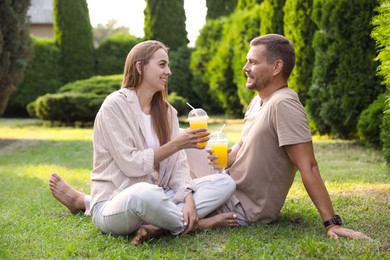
33 225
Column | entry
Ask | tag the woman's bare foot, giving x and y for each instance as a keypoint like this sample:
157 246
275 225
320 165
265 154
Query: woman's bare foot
66 194
220 220
146 231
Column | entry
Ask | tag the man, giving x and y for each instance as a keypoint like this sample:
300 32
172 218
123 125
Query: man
275 143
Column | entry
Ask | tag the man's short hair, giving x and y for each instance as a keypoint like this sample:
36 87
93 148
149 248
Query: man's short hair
278 48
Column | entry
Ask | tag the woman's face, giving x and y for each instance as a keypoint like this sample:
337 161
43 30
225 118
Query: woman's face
157 71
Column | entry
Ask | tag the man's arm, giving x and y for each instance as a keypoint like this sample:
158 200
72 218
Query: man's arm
302 155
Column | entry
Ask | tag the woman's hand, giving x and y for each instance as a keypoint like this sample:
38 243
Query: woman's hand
340 231
189 138
190 214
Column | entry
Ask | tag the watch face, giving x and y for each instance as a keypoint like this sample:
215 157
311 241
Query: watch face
337 220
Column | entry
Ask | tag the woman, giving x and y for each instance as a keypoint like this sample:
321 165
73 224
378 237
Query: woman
140 177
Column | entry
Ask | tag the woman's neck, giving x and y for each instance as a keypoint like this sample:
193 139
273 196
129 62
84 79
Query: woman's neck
144 99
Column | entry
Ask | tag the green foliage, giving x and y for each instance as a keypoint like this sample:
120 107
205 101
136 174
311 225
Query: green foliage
272 17
218 8
165 21
76 101
179 103
370 120
112 52
73 34
381 34
247 4
220 74
385 132
99 85
224 73
344 81
80 100
14 46
207 45
68 107
299 28
181 79
41 76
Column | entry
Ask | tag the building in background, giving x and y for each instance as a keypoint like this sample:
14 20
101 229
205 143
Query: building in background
41 18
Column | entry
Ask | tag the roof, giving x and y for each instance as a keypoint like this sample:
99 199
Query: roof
41 12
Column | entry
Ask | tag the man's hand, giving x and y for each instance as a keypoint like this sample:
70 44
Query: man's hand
339 231
190 214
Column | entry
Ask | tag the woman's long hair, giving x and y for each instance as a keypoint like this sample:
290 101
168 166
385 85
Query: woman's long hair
132 79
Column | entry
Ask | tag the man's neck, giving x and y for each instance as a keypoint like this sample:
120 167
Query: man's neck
269 90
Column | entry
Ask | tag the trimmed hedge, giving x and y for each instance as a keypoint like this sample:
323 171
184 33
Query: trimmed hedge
79 101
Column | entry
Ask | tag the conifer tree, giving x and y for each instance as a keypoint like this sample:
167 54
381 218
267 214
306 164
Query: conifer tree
14 46
272 17
166 21
218 8
344 81
73 35
299 28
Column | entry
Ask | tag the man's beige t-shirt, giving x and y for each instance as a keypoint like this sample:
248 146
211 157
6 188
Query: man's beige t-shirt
263 171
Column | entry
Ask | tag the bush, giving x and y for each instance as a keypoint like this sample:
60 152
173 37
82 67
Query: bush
385 132
370 121
75 101
100 85
68 107
42 75
79 101
112 52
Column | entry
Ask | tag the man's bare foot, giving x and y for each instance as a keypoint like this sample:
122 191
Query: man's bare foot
66 194
146 231
220 220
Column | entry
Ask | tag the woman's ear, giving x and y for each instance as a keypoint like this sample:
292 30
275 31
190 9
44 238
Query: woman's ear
138 66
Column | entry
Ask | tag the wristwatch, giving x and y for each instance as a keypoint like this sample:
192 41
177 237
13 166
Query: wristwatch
335 220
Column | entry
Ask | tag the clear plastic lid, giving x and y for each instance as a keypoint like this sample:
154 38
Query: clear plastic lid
197 114
218 137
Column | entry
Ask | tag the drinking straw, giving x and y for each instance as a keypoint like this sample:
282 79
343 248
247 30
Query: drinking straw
220 130
193 108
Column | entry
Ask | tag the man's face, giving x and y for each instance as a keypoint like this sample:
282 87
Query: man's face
258 71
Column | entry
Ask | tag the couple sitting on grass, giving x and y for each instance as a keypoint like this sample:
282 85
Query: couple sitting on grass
150 178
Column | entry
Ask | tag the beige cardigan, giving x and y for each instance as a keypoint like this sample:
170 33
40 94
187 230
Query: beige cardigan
121 157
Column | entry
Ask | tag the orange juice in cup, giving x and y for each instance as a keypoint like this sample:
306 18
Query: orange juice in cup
219 144
198 119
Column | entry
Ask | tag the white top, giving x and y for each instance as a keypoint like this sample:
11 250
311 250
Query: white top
151 137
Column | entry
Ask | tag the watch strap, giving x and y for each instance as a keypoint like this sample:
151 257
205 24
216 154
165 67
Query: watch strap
335 220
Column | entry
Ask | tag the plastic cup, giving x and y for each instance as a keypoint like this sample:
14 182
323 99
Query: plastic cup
219 144
198 118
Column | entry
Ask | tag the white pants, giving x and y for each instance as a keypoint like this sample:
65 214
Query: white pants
148 203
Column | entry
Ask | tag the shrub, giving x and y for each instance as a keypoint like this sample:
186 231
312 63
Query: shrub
68 107
79 101
112 52
385 132
370 121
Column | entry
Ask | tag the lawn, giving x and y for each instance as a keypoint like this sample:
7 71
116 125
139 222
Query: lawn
35 226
